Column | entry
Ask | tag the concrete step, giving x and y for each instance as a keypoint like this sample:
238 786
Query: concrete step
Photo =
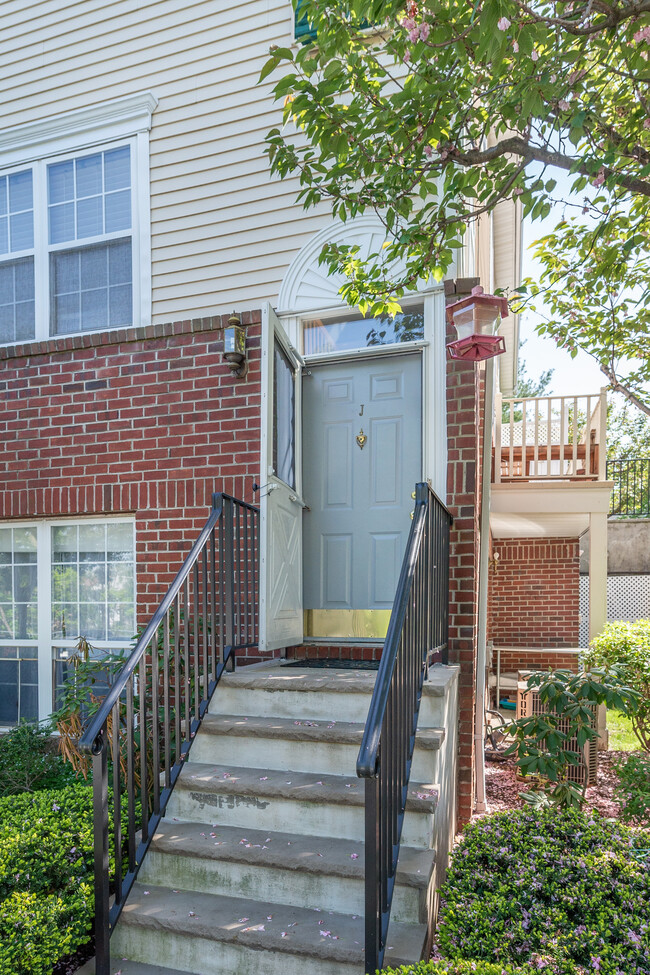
300 745
126 967
314 804
210 935
327 695
315 872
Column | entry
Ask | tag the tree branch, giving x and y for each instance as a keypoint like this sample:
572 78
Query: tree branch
612 16
516 146
619 387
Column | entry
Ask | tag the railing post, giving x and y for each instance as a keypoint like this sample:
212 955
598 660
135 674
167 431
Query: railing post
229 580
602 434
100 823
373 905
498 414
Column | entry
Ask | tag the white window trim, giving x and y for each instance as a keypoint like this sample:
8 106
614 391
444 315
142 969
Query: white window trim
121 121
45 641
80 129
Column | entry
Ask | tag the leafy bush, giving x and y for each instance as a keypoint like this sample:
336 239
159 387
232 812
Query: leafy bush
38 929
562 891
627 647
549 743
28 761
46 900
458 967
633 791
46 877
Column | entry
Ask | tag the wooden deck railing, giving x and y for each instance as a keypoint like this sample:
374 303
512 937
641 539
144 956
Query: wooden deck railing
550 438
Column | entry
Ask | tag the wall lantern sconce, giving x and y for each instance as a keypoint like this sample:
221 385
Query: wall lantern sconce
234 345
493 561
476 319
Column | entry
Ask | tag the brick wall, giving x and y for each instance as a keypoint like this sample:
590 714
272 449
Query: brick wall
464 433
534 593
146 422
513 660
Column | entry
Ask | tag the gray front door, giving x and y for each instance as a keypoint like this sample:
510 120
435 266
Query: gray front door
358 491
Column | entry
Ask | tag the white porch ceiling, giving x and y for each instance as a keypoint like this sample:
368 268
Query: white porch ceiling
557 509
538 525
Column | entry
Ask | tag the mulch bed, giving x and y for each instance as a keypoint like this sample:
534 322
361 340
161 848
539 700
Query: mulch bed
502 787
70 964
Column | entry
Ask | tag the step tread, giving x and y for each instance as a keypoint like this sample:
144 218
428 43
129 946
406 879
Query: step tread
260 926
219 780
342 682
127 967
287 729
286 851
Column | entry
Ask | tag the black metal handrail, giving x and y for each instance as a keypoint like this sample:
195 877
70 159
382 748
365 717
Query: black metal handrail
153 710
631 491
417 633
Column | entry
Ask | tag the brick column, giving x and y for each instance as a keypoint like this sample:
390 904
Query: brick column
464 433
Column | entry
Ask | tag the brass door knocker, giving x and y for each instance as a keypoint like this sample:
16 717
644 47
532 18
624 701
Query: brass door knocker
361 439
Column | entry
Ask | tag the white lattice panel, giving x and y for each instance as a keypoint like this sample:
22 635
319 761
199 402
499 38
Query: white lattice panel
533 434
628 598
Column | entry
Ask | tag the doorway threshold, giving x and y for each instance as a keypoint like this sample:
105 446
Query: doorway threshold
332 664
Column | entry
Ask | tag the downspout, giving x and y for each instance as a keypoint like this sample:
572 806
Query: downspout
484 551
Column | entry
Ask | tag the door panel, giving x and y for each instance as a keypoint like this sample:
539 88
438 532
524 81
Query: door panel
385 565
337 467
385 441
281 610
336 571
359 498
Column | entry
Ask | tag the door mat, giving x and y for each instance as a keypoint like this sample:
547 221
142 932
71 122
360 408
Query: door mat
334 664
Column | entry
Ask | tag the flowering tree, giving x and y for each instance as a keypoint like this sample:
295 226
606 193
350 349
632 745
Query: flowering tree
594 289
441 109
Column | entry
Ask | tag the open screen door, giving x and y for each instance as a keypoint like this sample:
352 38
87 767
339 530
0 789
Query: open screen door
281 607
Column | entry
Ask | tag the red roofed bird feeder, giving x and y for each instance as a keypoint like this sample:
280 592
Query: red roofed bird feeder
476 319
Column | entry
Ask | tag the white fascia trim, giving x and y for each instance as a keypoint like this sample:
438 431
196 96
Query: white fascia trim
106 122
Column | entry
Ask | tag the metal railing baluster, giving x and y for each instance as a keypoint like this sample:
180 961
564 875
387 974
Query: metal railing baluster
153 715
631 491
420 613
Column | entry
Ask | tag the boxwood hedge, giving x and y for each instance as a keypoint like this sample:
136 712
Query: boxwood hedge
46 892
566 892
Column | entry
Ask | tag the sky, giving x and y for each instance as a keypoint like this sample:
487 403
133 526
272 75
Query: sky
577 376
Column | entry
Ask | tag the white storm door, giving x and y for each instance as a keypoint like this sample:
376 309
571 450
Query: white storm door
281 608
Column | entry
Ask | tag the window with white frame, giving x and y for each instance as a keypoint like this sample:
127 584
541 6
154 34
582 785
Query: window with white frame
60 581
74 223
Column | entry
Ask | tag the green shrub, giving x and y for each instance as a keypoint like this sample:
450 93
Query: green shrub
46 856
38 929
633 791
458 967
563 891
626 646
46 877
28 761
546 743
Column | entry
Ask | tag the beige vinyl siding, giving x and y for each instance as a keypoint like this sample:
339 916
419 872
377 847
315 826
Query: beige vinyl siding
222 231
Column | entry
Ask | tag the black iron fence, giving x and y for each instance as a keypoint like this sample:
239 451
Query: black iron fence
145 726
417 634
631 492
